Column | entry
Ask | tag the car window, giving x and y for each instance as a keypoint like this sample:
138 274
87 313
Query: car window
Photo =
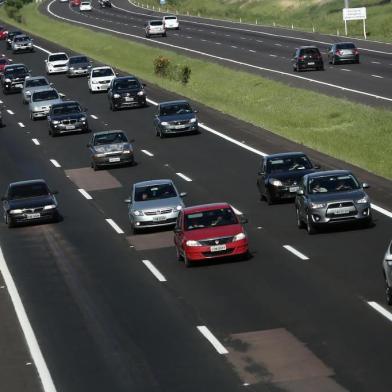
284 164
155 192
27 190
211 218
97 73
36 82
331 184
58 57
16 70
156 23
170 17
66 109
45 95
110 138
76 60
310 52
126 84
345 46
19 39
178 108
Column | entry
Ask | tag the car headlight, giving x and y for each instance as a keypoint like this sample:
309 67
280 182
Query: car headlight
8 80
30 43
126 151
50 207
239 237
192 120
55 122
275 182
140 93
364 200
164 123
193 243
28 93
389 262
71 68
100 155
116 95
178 208
138 213
317 205
83 118
94 82
17 211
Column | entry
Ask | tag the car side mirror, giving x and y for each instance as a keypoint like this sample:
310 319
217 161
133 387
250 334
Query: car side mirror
317 167
177 230
365 185
183 194
300 192
243 219
195 111
144 84
61 95
46 61
51 84
88 76
88 145
128 201
260 173
55 192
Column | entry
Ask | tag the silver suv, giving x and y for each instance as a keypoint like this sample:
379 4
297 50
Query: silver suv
22 43
387 272
154 203
155 27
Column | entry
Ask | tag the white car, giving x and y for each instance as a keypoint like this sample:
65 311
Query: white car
85 6
99 78
56 63
171 22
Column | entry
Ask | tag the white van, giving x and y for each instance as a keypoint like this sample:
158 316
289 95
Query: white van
171 22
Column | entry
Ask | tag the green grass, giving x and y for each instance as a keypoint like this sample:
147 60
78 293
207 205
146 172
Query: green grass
352 132
324 15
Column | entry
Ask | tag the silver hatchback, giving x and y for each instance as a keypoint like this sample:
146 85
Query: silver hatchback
154 203
387 272
41 102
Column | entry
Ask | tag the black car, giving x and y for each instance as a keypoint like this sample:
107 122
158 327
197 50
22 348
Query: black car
175 117
329 198
280 175
10 37
13 77
343 52
29 201
105 3
66 117
78 66
126 91
307 57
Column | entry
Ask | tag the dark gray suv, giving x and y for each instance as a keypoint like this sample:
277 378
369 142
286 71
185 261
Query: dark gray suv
331 197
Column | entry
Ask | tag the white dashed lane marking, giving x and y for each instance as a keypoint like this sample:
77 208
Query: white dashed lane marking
378 76
296 252
154 270
55 163
94 116
21 124
251 50
273 55
115 226
85 194
381 310
9 111
36 142
346 70
150 154
233 46
184 177
212 339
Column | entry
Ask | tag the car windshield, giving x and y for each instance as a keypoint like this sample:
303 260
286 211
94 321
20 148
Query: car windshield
58 57
36 82
13 33
156 23
126 84
211 218
310 52
77 60
85 3
110 138
97 73
66 109
284 164
345 46
28 190
19 39
330 184
45 95
178 108
155 192
16 70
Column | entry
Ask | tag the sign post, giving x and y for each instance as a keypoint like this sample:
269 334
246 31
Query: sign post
355 14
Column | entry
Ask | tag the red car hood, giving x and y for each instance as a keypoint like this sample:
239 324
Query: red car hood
214 232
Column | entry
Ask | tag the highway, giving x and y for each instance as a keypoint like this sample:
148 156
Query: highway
265 51
104 321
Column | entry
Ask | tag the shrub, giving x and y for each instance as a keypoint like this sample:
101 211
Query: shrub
161 66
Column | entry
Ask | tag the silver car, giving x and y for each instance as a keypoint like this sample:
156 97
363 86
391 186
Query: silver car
154 203
78 66
155 27
42 100
31 84
22 43
110 148
387 272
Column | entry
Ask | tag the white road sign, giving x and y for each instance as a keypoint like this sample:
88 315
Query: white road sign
354 13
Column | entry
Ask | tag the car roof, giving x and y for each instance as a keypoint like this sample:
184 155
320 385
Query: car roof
308 47
206 207
285 155
155 20
344 43
328 173
169 16
103 67
27 182
78 56
52 54
65 103
167 103
152 182
125 77
21 36
36 77
15 65
108 132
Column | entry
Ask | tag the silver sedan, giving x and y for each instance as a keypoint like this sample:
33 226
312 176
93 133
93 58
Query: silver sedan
42 100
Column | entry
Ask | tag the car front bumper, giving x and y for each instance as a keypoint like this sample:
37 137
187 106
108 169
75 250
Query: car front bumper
283 192
81 126
114 160
175 129
78 72
133 101
148 221
42 216
53 70
321 217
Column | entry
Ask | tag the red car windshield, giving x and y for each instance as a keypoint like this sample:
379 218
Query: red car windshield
211 218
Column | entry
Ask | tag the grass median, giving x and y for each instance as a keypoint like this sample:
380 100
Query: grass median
352 132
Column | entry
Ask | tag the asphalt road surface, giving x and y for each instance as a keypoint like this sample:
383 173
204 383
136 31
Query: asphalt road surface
104 321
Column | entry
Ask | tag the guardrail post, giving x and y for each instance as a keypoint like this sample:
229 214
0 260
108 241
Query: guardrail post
274 24
240 20
292 26
313 28
256 21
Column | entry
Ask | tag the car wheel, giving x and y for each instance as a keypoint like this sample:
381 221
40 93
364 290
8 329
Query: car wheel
162 134
187 262
179 255
164 35
8 221
32 117
334 60
135 230
269 199
300 223
94 166
310 226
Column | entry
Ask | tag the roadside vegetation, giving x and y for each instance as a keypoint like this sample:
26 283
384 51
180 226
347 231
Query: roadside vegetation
352 132
324 15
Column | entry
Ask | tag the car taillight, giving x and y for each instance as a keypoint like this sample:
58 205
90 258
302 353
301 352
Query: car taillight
356 52
339 52
301 58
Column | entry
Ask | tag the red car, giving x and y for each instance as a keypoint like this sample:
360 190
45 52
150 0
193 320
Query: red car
3 63
209 231
75 3
3 33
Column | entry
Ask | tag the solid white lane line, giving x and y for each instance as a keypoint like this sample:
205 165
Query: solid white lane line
115 226
85 194
152 102
36 142
380 309
378 76
9 111
382 210
212 339
94 116
150 154
55 163
42 49
21 124
184 177
295 252
154 270
29 335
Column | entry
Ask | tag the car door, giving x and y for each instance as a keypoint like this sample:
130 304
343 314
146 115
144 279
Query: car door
261 176
300 199
156 118
294 58
110 90
179 231
388 264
